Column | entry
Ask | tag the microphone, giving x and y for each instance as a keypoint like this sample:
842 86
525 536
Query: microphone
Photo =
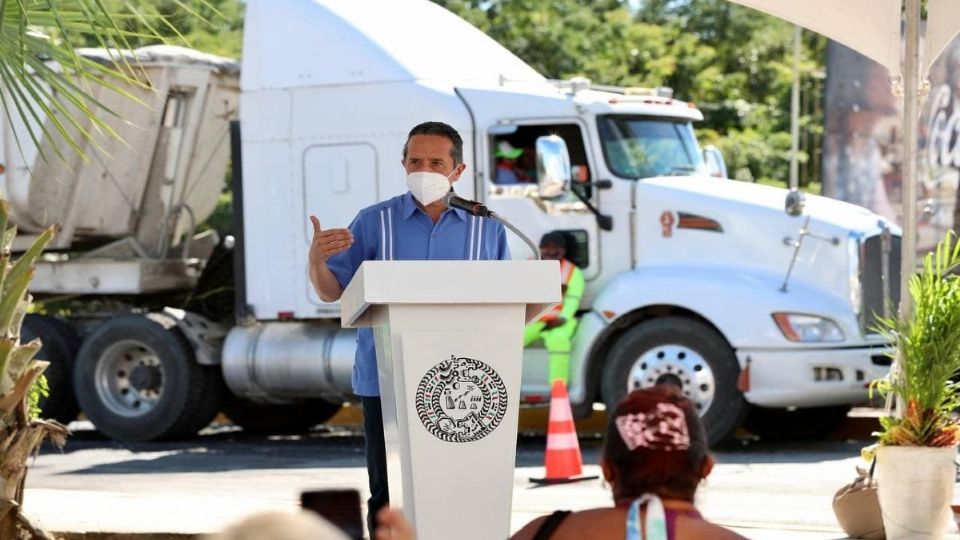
451 200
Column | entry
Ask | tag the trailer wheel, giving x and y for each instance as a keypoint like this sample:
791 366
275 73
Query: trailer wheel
136 378
809 423
60 345
688 353
277 419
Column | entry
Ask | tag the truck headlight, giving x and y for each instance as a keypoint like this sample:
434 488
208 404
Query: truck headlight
807 328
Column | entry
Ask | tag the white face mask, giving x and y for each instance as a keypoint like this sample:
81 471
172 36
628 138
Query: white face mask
428 187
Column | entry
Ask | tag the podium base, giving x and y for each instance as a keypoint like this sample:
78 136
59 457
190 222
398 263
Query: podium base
543 482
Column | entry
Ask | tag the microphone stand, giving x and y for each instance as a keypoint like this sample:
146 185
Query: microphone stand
533 247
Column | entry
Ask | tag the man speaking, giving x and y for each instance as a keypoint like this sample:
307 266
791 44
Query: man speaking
414 226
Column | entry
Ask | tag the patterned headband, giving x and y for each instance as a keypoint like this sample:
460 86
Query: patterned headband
664 428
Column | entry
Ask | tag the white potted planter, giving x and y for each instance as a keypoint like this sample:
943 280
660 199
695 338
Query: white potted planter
917 445
915 488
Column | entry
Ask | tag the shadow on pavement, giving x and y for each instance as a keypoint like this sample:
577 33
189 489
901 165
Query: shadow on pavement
222 448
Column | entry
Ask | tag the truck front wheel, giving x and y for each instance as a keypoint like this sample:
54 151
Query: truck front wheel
684 352
136 378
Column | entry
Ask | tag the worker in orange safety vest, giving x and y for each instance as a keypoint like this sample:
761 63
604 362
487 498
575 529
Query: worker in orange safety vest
556 327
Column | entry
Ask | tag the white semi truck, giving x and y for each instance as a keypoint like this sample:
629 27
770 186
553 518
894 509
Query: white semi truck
760 307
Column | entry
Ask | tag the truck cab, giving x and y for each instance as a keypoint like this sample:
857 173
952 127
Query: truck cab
704 282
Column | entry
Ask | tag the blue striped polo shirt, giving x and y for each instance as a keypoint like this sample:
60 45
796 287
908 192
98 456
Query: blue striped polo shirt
398 229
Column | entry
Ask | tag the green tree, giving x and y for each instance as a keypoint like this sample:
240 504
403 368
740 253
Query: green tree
745 88
213 26
566 38
735 63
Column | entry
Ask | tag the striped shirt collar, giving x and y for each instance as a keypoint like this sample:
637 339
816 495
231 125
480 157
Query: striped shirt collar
408 206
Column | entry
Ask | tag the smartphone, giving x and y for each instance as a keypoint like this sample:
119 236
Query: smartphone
338 506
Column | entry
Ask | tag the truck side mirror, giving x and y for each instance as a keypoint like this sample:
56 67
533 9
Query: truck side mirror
553 166
716 165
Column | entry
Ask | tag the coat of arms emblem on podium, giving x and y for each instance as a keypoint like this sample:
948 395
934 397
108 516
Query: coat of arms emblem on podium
461 400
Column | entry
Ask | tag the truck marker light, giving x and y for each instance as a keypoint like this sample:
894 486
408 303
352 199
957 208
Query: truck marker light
694 221
743 380
608 315
666 222
783 321
285 315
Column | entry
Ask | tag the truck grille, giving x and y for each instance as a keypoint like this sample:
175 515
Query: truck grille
871 280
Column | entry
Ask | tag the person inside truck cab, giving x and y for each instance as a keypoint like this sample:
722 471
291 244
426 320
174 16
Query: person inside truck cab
414 226
527 163
555 327
507 171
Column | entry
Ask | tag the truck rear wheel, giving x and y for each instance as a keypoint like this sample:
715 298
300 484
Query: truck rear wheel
136 378
685 352
60 345
809 423
275 419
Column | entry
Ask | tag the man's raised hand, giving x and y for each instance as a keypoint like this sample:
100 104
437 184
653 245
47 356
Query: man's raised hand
327 243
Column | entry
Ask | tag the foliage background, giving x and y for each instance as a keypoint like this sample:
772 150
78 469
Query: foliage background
735 63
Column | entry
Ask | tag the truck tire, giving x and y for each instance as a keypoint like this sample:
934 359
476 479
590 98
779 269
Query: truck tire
136 378
60 345
686 352
279 419
806 424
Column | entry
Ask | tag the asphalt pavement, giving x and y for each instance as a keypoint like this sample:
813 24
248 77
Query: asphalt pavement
98 489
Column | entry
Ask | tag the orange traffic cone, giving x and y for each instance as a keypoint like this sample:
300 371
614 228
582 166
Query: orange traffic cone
563 461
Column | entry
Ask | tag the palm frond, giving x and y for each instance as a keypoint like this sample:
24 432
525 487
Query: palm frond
48 84
928 347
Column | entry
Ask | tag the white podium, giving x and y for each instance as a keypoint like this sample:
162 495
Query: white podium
449 341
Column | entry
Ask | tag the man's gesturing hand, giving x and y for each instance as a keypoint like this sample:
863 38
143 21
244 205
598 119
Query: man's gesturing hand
327 243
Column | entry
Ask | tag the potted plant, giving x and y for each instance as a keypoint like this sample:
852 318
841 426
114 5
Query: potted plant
917 443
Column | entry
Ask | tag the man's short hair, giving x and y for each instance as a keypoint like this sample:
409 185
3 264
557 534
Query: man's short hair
554 238
441 130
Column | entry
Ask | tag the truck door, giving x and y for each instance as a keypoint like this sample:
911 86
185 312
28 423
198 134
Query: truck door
510 188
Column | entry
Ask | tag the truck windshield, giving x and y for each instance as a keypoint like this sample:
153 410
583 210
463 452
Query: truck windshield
642 146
